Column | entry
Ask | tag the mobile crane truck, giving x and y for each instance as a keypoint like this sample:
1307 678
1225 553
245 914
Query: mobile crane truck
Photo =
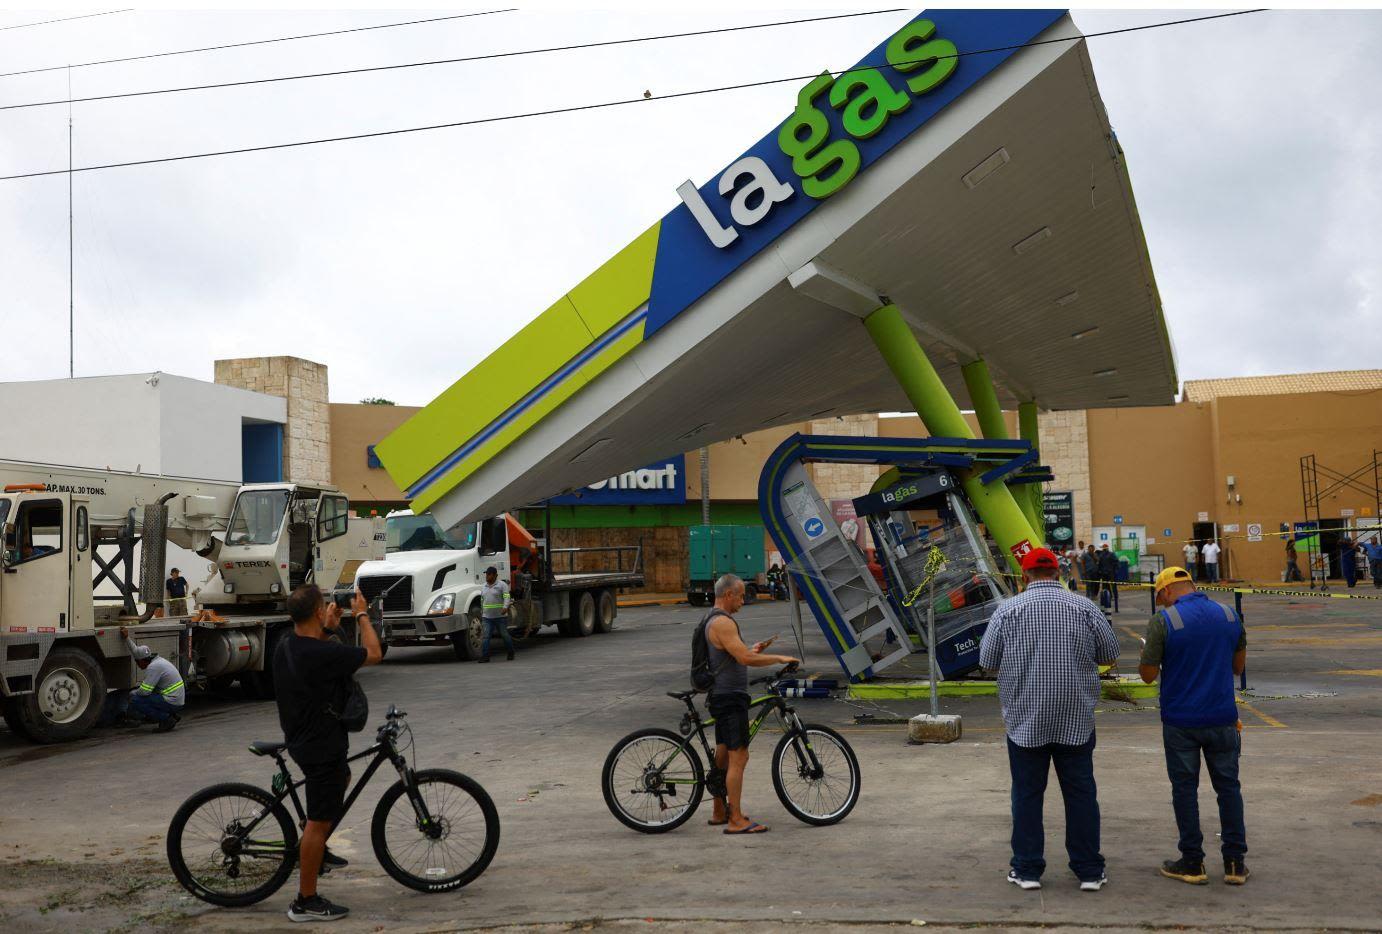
60 647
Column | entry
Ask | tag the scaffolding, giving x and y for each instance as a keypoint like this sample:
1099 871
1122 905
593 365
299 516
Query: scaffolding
1367 480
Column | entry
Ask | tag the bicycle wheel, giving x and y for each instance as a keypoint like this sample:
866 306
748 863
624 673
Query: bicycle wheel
453 849
651 782
823 797
232 845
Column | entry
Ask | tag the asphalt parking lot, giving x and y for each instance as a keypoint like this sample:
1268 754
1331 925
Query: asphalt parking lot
81 829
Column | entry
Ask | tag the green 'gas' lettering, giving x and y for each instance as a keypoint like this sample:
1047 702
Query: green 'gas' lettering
868 101
823 168
909 50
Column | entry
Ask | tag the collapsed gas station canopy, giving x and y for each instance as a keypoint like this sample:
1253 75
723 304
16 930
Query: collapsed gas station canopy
965 171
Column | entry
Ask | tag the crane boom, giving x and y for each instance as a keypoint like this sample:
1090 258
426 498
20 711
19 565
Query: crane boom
197 504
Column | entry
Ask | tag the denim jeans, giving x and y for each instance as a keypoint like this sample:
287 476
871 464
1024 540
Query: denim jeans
498 625
1030 768
151 706
1211 571
1220 746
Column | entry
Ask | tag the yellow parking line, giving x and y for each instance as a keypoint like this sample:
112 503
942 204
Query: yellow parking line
1369 672
1266 718
1132 632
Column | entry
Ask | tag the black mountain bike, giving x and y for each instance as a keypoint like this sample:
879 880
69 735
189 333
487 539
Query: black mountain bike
654 780
433 830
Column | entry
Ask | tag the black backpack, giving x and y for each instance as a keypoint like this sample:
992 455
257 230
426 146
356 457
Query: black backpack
702 673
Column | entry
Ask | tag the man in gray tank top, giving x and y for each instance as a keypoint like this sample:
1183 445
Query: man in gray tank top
731 660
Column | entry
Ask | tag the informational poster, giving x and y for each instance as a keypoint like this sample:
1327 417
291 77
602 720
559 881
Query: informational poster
1254 531
1060 517
1231 528
842 511
1202 517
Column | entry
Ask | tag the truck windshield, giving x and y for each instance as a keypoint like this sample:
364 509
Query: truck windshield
257 517
422 533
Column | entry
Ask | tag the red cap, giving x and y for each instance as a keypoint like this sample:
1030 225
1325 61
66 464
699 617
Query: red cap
1040 558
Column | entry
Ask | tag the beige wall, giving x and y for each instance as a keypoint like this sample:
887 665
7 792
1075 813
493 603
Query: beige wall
1161 467
353 429
307 432
735 465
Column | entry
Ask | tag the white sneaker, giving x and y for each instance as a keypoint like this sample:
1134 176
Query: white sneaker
1021 883
1093 885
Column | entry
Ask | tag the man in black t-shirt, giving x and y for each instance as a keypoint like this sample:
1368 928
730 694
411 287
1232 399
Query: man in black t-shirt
176 585
311 674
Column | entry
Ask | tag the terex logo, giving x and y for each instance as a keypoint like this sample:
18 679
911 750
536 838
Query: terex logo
866 101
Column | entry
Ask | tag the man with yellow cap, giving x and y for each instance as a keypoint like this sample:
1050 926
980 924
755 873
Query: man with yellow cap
1197 646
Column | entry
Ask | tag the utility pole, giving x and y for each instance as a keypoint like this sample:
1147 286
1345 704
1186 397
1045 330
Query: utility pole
705 486
71 294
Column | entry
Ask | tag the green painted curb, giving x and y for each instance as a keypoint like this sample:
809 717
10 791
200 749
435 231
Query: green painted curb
1121 689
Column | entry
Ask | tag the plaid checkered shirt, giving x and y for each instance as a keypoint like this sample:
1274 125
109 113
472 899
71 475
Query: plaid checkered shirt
1047 644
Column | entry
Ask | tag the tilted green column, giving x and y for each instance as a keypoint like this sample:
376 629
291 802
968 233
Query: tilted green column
995 504
990 416
1027 428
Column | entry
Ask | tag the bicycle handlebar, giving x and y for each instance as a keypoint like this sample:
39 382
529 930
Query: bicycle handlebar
786 670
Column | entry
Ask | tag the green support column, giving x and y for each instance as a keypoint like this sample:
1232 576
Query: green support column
995 504
990 416
1027 428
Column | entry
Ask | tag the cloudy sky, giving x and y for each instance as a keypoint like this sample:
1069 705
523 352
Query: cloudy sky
400 262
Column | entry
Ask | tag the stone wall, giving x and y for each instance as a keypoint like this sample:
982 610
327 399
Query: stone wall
1065 449
843 481
307 434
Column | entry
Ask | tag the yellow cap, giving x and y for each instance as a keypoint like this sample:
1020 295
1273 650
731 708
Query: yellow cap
1170 575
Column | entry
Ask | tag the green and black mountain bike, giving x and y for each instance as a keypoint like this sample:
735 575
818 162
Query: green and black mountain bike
434 830
654 780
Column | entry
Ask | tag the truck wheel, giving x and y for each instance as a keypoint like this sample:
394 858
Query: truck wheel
9 706
695 598
584 622
469 642
604 622
67 702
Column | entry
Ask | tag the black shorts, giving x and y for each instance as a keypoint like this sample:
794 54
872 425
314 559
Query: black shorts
731 713
326 788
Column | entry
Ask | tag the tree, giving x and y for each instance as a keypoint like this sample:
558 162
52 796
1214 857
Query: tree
376 400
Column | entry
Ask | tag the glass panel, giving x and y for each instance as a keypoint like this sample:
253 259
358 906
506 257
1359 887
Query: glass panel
38 532
81 528
422 533
333 517
258 517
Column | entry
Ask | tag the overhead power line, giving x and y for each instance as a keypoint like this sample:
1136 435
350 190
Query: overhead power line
451 61
65 19
478 121
241 45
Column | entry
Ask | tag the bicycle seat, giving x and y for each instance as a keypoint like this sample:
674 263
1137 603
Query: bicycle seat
264 747
682 695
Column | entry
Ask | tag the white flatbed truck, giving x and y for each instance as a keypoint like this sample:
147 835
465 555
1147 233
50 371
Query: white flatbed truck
431 577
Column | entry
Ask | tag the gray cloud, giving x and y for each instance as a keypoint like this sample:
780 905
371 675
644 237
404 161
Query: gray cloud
402 262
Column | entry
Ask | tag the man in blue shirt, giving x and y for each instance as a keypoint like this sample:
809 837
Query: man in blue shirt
1047 645
1197 646
1374 550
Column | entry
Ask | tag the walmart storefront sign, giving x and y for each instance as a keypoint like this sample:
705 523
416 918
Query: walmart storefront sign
659 484
839 127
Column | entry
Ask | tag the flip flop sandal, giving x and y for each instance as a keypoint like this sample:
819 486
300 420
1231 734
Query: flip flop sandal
754 827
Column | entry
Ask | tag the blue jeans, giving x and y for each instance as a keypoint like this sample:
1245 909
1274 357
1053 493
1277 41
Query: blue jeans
500 625
1220 746
151 706
1030 768
1211 571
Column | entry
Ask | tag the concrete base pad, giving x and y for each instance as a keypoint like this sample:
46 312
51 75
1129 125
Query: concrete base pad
941 728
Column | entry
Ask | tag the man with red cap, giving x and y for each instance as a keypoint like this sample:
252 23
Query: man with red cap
1047 645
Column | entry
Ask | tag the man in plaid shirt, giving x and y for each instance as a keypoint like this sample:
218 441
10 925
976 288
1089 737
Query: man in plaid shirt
1047 645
